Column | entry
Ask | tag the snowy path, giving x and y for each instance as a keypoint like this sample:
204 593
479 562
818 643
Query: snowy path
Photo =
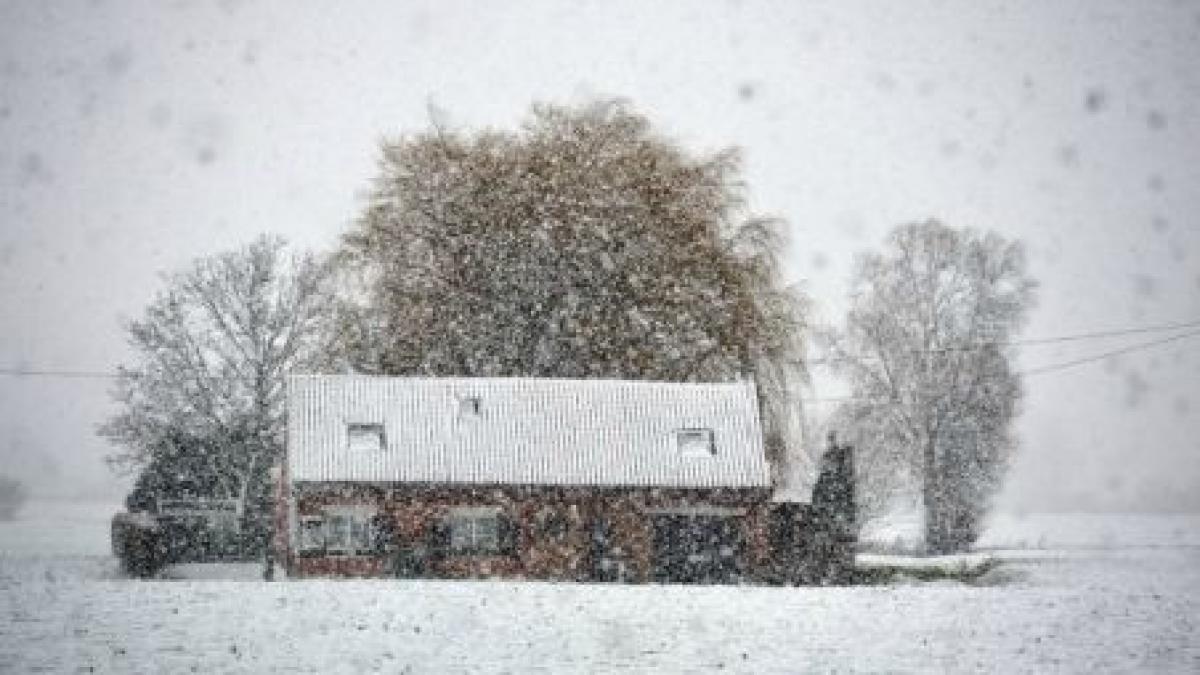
1117 609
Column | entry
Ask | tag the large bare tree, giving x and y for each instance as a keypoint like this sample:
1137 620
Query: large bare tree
926 352
583 245
205 397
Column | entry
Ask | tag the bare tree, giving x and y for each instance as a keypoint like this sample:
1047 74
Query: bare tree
583 245
924 350
206 394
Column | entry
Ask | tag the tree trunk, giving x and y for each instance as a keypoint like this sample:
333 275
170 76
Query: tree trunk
931 502
251 518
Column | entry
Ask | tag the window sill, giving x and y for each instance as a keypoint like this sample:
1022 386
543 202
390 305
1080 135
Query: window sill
335 554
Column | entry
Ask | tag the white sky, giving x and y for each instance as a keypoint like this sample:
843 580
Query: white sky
136 136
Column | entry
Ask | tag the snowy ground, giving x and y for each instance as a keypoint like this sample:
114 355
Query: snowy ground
1074 594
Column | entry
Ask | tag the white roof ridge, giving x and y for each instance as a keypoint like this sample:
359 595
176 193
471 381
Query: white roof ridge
521 378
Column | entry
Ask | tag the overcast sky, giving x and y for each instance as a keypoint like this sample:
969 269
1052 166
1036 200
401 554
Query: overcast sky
136 136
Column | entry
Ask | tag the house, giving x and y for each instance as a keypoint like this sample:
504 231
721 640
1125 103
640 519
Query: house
530 478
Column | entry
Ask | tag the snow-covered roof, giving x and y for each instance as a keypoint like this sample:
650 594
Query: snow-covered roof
524 431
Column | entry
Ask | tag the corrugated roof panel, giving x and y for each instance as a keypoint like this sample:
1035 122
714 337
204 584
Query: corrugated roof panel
528 431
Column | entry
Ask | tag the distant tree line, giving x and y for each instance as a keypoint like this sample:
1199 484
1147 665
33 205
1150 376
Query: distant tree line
12 497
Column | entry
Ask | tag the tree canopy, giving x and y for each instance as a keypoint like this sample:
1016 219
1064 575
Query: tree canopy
582 245
926 351
203 404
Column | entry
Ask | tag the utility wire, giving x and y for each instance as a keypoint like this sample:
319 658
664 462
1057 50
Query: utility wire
99 374
1116 352
75 374
1054 367
1025 343
1109 333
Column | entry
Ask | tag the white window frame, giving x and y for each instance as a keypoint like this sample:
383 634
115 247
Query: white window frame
470 406
696 442
358 539
310 535
365 437
474 530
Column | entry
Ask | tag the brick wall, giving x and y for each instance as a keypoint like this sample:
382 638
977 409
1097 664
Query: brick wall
553 527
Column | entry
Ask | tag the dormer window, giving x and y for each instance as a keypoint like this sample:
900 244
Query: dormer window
365 437
695 442
470 406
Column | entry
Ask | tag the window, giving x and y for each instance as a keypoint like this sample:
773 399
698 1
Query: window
470 406
311 535
365 437
348 534
347 530
696 442
475 530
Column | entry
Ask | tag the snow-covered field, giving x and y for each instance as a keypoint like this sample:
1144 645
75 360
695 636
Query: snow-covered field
1074 594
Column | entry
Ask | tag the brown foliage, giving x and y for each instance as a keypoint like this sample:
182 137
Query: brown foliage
583 245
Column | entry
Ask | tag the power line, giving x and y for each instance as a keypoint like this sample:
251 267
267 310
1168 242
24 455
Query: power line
1109 333
99 374
1054 367
1030 342
1116 352
74 374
